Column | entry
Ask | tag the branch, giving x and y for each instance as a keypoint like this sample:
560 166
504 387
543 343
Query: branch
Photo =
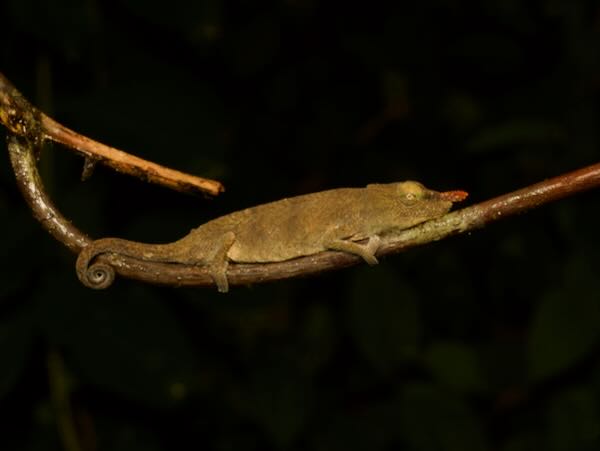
22 119
460 221
22 156
21 148
173 274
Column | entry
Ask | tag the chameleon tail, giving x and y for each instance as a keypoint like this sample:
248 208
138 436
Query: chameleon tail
99 275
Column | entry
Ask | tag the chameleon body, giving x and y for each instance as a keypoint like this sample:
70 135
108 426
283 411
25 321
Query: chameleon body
283 230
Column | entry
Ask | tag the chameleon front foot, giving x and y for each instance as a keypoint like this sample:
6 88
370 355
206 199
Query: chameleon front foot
366 251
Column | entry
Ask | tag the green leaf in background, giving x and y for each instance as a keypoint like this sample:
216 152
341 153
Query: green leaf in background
525 442
118 118
433 419
114 434
461 111
565 326
277 399
394 87
200 20
77 22
318 339
43 435
17 231
369 428
383 317
517 132
255 44
276 98
134 348
16 335
456 366
574 421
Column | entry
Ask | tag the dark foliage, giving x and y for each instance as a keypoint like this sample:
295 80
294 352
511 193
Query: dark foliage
483 342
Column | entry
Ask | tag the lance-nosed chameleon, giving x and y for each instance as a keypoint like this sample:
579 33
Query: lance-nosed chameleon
285 229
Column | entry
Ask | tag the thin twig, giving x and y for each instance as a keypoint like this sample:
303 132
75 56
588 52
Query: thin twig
126 163
176 274
460 221
27 125
22 119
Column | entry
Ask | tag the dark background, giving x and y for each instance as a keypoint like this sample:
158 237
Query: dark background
488 341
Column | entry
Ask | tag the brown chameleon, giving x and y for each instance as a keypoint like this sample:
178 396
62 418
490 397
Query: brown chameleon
283 230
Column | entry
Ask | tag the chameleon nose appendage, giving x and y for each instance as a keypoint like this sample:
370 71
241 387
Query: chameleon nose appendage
454 196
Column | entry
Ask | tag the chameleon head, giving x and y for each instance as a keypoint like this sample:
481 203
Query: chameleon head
422 203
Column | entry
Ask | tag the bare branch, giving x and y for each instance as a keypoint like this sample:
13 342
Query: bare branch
460 221
22 157
22 119
175 274
126 163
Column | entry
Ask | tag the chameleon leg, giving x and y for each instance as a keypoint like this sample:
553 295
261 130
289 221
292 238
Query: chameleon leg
217 267
366 251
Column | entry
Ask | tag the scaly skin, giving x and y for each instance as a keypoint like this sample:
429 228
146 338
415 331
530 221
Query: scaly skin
283 230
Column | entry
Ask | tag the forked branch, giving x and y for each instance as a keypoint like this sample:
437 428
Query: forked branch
22 119
22 148
459 221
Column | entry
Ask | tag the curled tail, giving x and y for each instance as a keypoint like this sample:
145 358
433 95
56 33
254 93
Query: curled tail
98 275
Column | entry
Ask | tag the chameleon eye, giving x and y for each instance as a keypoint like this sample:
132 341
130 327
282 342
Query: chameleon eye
410 192
410 198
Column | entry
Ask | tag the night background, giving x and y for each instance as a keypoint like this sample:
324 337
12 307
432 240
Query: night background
486 341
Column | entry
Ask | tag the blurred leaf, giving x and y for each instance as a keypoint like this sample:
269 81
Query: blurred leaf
16 335
462 111
490 54
273 96
255 44
515 132
185 125
247 317
201 20
370 428
43 435
456 366
18 230
505 364
565 327
435 420
77 22
574 421
318 340
383 317
394 87
525 442
277 399
134 348
283 94
114 434
564 330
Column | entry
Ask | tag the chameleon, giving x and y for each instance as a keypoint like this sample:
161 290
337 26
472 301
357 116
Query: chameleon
285 229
